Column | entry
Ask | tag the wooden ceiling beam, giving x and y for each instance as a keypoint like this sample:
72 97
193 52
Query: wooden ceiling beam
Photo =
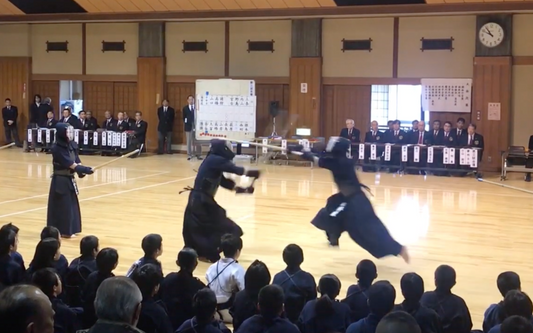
392 10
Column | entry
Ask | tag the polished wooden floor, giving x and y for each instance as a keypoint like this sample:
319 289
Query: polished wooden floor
479 229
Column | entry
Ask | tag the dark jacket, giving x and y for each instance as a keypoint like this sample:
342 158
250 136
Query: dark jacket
427 319
452 310
460 139
104 326
122 126
140 130
354 136
154 318
374 137
188 118
65 319
110 124
166 119
11 114
258 324
427 138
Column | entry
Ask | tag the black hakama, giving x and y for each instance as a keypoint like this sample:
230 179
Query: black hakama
63 205
205 222
351 211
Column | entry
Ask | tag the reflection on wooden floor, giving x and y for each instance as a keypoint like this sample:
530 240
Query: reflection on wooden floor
479 229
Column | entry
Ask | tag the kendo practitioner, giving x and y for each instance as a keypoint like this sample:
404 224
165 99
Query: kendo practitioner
63 206
350 210
205 221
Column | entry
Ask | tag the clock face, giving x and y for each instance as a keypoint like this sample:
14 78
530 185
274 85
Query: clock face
491 34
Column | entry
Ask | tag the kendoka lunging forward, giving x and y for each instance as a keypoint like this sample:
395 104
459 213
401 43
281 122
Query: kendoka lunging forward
349 209
63 206
205 221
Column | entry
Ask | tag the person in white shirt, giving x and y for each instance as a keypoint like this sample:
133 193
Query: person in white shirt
226 276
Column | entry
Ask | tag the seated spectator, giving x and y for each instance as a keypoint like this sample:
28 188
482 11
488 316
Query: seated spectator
46 256
178 289
412 290
452 309
24 309
106 262
245 304
506 282
398 322
80 269
65 319
270 310
515 303
381 296
298 286
61 263
153 318
356 296
205 307
325 314
10 271
516 324
226 276
152 246
350 132
15 255
117 306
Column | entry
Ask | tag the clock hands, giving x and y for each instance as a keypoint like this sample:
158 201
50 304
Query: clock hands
487 31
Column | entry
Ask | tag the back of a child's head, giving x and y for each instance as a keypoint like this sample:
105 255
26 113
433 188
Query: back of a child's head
50 232
412 286
256 277
293 256
152 244
230 245
517 303
10 226
271 301
89 246
366 273
445 278
381 297
516 324
204 304
329 287
508 281
398 322
187 259
107 260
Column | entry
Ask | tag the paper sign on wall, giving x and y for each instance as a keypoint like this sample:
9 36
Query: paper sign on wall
303 88
494 110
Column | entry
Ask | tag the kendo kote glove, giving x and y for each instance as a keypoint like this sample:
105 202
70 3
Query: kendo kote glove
83 169
252 173
244 190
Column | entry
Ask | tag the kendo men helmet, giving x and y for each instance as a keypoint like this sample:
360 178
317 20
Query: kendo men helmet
222 148
64 132
338 145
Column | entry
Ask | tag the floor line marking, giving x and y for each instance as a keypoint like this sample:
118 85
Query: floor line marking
103 196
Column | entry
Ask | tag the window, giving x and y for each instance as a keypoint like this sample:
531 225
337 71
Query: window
379 104
402 102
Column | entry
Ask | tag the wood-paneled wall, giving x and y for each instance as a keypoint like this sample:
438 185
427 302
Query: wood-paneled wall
47 89
306 105
492 82
14 84
177 94
109 96
151 80
345 102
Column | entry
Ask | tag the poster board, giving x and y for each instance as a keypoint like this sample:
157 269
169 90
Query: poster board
225 108
447 95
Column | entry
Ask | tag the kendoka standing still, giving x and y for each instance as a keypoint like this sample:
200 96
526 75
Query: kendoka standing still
350 210
63 205
204 221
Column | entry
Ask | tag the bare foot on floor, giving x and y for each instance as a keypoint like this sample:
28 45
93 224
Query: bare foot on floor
404 254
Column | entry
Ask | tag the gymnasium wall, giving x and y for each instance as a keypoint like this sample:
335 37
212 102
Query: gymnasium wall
110 77
522 98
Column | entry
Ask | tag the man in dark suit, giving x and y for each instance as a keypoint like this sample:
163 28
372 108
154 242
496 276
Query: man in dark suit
460 134
413 132
374 135
447 138
130 121
475 140
10 114
69 118
396 135
51 122
92 123
436 133
350 132
188 110
164 129
109 123
422 136
122 125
